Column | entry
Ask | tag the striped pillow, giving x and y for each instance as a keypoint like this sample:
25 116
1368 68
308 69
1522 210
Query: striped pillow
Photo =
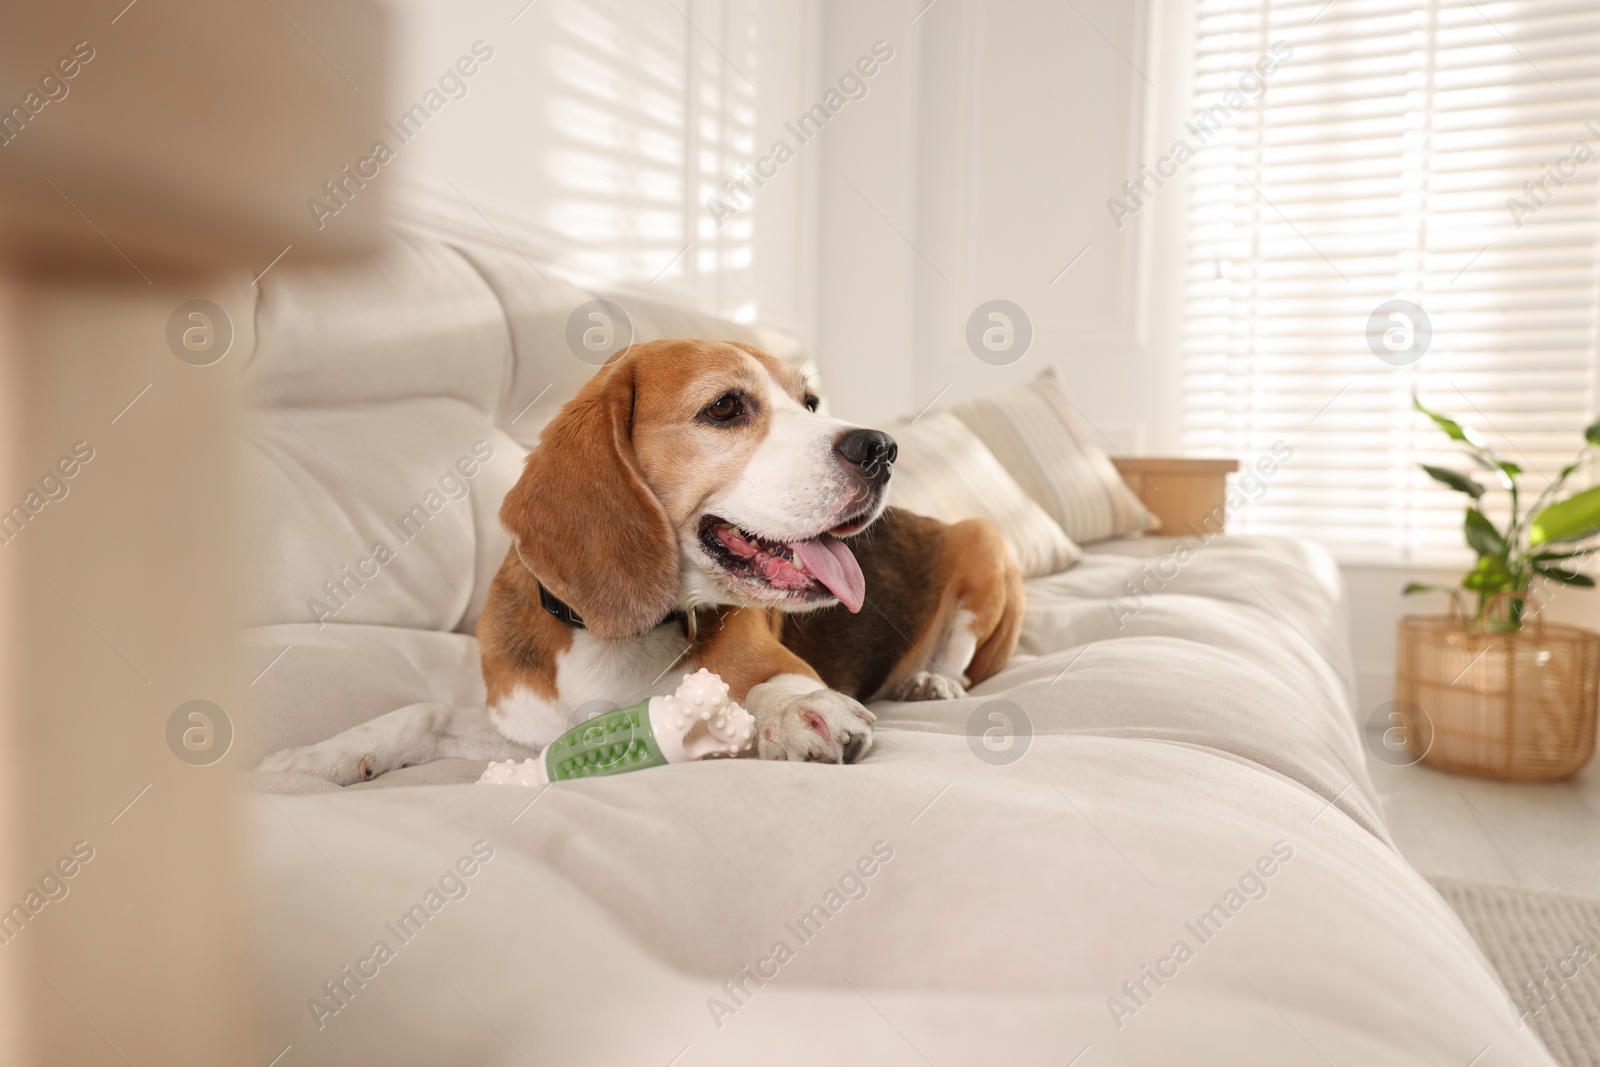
1044 443
944 472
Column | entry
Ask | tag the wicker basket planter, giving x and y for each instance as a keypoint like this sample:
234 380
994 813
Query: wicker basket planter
1519 706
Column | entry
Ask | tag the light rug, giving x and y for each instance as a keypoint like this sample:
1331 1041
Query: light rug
1546 949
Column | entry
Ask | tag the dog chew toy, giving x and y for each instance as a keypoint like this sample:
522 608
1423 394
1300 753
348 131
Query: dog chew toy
696 722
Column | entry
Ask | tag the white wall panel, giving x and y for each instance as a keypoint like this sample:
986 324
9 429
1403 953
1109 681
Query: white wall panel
593 137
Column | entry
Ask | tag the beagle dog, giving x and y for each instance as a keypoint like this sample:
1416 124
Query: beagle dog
691 508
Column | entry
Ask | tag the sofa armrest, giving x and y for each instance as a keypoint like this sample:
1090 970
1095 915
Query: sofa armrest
1187 496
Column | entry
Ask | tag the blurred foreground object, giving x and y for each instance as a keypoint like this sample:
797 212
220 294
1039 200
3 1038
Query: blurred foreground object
154 161
188 134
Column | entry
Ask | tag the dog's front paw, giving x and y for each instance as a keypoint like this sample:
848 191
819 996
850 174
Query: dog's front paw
927 685
821 726
329 760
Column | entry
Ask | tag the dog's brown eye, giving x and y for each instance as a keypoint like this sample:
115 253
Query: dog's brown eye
725 407
812 403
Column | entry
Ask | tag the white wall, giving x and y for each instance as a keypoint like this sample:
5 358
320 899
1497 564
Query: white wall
868 278
979 169
593 136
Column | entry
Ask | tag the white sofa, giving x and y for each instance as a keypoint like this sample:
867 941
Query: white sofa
958 906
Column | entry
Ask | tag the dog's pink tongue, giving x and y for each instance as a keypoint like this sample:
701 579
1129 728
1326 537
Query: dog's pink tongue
834 565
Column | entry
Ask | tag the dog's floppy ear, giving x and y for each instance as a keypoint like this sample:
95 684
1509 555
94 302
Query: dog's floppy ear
584 520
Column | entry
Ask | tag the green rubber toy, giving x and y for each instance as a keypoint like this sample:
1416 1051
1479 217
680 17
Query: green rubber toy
696 722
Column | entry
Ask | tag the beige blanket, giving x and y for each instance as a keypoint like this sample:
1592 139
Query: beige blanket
1173 854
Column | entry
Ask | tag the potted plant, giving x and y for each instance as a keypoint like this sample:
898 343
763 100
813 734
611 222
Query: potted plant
1499 691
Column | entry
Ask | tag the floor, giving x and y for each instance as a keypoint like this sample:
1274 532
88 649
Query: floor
1539 836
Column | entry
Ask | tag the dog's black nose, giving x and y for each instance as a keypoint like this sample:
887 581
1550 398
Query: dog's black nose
872 450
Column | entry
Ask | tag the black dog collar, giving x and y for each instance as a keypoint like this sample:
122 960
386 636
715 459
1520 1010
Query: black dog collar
559 608
563 611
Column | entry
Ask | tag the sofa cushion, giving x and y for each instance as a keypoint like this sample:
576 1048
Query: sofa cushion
546 372
416 321
373 470
1040 437
944 472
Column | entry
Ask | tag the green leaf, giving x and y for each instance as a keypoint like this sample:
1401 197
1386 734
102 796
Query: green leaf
1572 519
1459 482
1556 486
1561 479
1413 588
1490 576
1482 535
1454 429
1566 577
1511 469
1591 433
1551 557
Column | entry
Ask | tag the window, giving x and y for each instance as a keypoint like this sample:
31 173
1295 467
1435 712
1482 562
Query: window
650 114
594 138
1442 153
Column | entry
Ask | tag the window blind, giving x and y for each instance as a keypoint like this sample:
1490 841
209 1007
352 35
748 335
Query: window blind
612 124
1443 153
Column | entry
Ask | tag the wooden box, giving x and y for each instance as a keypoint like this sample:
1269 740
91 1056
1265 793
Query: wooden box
1186 495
